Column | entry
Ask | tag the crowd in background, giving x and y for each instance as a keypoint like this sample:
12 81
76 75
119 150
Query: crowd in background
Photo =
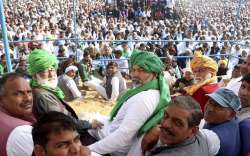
187 102
192 23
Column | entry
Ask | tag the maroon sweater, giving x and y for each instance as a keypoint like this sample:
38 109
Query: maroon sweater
7 124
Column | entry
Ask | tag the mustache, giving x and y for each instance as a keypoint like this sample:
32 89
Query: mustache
167 130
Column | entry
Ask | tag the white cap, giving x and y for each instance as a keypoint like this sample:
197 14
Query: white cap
69 68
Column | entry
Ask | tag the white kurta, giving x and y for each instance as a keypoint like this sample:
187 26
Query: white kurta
116 137
234 85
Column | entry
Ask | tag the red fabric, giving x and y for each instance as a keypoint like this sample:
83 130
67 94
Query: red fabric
7 124
200 94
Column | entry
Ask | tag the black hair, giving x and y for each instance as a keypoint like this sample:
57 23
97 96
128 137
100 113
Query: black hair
86 53
112 64
246 78
48 123
189 103
6 77
118 52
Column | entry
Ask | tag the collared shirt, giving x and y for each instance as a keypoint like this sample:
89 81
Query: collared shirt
243 113
206 142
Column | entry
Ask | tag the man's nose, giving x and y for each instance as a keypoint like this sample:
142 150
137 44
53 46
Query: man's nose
166 123
74 148
28 96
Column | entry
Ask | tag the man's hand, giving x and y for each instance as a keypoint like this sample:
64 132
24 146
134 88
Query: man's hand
85 151
150 139
96 124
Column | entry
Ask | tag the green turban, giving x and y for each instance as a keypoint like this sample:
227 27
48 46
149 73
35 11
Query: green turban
149 61
40 60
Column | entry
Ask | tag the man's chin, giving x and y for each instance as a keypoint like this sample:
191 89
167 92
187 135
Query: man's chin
51 84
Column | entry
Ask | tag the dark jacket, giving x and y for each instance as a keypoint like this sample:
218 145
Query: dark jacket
44 101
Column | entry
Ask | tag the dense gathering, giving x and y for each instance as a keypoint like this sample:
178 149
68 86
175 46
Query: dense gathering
172 75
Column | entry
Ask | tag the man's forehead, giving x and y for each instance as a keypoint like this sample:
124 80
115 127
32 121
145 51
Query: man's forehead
247 59
246 83
62 135
176 110
20 84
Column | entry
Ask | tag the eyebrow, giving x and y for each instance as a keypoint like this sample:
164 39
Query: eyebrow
68 141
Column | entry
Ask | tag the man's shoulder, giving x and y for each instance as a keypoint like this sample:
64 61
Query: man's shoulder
20 141
209 88
9 119
245 123
40 93
151 94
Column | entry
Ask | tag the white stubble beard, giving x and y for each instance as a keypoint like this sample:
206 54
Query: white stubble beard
50 82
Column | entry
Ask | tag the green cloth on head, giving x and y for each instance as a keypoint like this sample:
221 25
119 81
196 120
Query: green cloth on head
40 60
158 84
149 61
56 91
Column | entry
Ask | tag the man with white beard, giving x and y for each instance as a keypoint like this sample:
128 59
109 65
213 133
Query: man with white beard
46 95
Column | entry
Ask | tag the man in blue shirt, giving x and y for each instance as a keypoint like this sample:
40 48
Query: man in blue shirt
244 115
220 115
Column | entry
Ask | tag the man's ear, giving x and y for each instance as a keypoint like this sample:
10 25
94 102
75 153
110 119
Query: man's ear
232 115
195 130
1 98
39 150
34 77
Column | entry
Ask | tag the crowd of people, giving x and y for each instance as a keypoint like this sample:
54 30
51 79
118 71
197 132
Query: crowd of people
181 101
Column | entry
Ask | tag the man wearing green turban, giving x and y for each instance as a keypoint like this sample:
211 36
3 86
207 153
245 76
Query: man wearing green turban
136 111
46 95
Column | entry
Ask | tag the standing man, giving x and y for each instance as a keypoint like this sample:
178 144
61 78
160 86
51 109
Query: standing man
67 84
46 95
136 111
15 110
244 115
244 69
205 80
220 117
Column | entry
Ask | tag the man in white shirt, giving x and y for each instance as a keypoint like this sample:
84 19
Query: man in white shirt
68 85
137 110
15 110
121 61
234 84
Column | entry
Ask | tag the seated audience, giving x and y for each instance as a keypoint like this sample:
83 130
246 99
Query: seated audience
113 83
67 84
47 96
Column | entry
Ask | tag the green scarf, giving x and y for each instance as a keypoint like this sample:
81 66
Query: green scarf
1 70
155 118
56 91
